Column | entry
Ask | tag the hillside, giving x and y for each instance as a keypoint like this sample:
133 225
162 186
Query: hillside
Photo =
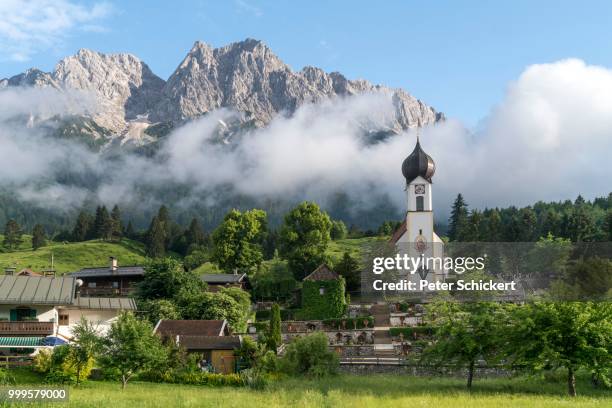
72 256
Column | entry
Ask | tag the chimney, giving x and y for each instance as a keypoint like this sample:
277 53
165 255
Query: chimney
235 271
113 264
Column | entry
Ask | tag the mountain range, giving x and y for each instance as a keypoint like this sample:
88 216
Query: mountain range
136 107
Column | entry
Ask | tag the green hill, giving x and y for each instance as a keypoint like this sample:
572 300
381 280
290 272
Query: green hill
72 256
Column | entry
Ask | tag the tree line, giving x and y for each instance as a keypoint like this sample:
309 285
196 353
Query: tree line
578 221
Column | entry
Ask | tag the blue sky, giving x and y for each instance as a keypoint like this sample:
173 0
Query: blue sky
456 56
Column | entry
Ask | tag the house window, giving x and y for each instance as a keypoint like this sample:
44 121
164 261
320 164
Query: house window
91 284
115 285
63 319
321 291
420 203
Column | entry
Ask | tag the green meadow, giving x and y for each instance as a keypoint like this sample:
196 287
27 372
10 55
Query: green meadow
344 391
71 256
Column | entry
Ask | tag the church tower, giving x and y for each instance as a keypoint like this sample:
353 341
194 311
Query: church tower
416 236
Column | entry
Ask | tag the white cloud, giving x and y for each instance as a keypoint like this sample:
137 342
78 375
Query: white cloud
31 26
550 138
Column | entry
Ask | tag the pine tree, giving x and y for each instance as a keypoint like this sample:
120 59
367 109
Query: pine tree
473 230
12 234
82 228
38 237
116 226
129 231
458 219
156 239
274 330
103 225
608 226
348 267
194 234
493 226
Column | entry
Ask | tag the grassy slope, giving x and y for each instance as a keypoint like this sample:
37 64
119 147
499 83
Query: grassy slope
70 257
375 391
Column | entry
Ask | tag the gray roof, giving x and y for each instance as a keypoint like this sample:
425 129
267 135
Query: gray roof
106 271
209 342
103 303
28 290
223 277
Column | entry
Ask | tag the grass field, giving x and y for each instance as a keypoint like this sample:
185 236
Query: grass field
344 391
72 256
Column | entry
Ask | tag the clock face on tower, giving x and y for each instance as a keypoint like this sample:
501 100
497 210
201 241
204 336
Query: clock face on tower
419 188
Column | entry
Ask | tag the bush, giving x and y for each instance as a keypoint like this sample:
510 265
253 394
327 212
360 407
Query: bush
199 378
5 377
253 378
42 361
60 366
309 356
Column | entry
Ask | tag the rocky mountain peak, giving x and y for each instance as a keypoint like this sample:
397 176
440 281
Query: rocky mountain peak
245 76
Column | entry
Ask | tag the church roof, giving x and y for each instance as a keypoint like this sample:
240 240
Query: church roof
322 273
418 164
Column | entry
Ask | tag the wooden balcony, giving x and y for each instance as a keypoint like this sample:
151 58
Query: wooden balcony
26 328
106 291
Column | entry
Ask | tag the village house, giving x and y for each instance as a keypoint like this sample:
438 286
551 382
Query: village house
40 311
209 338
112 280
218 281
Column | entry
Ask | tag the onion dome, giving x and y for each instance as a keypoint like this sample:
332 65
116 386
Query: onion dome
418 164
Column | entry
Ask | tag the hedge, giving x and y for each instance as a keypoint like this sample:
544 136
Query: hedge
408 332
350 322
199 378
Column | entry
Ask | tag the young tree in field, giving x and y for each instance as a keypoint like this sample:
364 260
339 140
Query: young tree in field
465 333
116 225
39 238
273 337
572 335
155 239
304 237
130 347
238 240
12 234
82 228
348 267
457 224
84 345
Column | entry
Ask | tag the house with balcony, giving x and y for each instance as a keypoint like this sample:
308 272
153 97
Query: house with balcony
112 280
40 311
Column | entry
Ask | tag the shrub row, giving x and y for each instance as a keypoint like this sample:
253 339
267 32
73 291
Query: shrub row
199 378
351 322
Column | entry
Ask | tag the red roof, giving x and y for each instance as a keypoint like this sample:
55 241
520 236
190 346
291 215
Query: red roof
167 328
